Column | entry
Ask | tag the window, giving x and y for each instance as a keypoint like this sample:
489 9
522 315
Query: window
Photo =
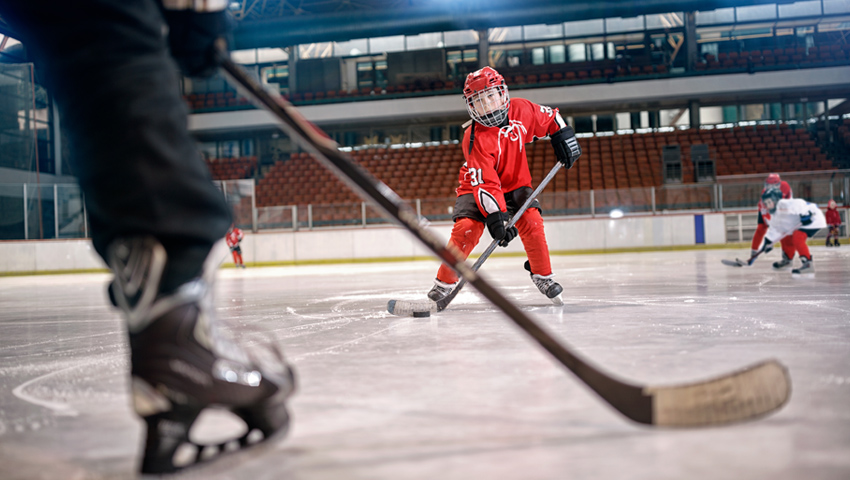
351 48
460 37
836 6
539 32
614 25
425 40
270 55
665 20
755 12
713 17
577 52
386 44
584 27
799 9
538 56
316 50
557 54
506 34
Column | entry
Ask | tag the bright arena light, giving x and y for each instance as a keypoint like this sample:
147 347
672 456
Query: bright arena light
616 213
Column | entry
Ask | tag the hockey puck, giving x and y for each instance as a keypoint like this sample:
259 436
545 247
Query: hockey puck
421 314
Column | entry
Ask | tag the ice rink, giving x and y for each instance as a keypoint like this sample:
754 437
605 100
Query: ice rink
463 394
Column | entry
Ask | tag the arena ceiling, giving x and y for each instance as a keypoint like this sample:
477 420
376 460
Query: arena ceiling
281 23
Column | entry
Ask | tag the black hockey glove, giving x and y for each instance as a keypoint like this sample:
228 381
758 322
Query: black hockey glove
192 37
806 218
768 246
496 223
567 149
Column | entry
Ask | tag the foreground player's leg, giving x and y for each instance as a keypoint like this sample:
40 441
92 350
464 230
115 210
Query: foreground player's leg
182 363
530 227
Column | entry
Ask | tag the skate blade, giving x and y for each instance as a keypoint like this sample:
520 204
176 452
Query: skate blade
558 300
230 456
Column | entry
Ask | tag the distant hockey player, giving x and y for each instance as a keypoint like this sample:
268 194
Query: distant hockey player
793 218
495 180
773 181
234 241
155 214
833 220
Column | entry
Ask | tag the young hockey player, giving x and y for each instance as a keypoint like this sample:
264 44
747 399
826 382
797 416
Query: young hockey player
234 241
155 213
773 181
495 180
792 218
833 220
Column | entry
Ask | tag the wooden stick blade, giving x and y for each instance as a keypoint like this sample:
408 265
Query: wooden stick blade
743 395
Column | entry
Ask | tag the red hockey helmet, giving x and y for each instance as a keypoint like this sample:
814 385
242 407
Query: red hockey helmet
486 95
772 181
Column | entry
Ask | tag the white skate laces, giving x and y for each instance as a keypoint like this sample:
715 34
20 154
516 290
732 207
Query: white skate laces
548 287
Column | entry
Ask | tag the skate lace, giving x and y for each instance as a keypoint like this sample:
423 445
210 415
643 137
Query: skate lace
543 283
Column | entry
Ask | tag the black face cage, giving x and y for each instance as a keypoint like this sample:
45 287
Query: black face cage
489 107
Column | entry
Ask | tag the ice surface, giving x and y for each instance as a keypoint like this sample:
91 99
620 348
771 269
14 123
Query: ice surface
463 394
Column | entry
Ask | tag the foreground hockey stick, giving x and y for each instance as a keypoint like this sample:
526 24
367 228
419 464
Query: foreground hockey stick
734 397
416 308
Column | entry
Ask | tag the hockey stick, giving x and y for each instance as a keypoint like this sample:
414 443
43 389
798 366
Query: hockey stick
416 308
742 263
737 396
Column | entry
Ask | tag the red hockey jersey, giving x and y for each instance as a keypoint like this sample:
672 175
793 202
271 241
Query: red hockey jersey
233 237
497 163
833 217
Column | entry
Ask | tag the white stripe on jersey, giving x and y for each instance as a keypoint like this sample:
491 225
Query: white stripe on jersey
488 201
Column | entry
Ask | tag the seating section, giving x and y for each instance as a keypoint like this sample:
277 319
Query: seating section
829 52
767 148
232 168
609 163
215 100
790 56
427 172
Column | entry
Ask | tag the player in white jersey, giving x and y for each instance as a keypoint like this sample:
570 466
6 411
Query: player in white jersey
794 218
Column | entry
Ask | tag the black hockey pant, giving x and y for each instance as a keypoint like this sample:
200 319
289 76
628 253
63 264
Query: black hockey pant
107 66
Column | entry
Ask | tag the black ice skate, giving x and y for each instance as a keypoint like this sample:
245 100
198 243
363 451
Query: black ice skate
807 268
182 364
546 285
440 290
785 262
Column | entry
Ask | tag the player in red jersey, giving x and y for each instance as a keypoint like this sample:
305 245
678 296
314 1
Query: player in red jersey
233 239
788 251
495 180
